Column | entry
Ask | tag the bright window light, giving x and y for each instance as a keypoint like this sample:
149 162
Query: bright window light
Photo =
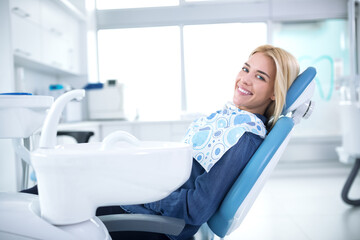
214 54
122 4
147 62
323 45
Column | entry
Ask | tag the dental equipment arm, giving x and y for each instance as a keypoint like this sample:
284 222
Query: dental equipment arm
48 135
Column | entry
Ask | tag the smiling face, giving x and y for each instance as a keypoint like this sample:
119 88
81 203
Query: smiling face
254 86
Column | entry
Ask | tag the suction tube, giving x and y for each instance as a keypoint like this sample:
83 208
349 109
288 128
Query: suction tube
348 183
49 130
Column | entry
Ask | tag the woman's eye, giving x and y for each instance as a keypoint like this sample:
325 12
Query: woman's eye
260 77
245 69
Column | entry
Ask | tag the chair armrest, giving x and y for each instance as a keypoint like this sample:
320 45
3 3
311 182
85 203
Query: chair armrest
143 223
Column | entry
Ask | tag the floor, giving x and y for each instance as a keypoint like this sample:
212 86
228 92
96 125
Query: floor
302 201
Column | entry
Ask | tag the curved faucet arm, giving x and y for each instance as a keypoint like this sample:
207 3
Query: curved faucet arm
48 134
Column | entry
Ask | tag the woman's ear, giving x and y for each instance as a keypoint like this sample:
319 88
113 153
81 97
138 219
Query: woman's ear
273 97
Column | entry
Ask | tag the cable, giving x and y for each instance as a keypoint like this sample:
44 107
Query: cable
349 182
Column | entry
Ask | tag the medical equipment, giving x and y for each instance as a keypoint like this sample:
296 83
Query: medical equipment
246 188
79 136
128 171
105 101
349 152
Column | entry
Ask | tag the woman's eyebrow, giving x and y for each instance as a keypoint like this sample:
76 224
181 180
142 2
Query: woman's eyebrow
262 72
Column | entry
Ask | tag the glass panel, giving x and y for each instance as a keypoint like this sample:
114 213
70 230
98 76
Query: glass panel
147 61
121 4
214 54
323 45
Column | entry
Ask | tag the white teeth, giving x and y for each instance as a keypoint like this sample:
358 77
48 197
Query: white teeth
244 91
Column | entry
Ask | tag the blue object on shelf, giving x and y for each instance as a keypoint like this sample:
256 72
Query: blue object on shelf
90 86
16 93
56 87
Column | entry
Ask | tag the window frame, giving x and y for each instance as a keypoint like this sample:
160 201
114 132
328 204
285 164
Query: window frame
222 12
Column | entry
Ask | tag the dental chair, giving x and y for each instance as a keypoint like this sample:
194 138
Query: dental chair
247 187
79 136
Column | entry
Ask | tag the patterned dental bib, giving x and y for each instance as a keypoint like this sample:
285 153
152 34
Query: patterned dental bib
212 136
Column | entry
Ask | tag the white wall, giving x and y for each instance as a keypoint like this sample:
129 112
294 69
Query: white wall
7 158
6 63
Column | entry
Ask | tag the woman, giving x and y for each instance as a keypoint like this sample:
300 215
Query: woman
259 94
223 143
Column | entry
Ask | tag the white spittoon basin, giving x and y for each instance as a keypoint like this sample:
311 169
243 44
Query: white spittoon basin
75 179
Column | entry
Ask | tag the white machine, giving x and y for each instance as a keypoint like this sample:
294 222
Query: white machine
105 101
122 168
349 152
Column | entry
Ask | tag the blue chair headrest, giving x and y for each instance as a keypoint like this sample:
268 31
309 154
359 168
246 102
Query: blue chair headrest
300 90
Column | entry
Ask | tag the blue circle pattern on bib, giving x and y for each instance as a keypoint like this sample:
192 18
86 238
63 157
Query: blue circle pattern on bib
213 135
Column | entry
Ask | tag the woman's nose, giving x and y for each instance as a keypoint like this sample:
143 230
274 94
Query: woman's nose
246 79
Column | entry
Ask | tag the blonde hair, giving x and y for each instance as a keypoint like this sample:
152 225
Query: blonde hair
287 69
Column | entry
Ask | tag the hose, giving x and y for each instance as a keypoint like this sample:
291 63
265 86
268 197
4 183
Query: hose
350 180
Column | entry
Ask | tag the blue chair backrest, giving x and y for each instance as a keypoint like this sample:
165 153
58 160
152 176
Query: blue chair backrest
246 188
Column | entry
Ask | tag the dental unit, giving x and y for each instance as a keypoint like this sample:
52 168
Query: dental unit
123 168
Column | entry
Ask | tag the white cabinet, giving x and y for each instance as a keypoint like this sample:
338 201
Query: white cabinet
54 50
44 32
60 37
72 39
26 30
29 10
26 38
54 45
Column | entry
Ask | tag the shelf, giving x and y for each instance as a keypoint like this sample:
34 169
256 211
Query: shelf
38 66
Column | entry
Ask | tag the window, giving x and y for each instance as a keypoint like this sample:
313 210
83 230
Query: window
214 54
147 62
323 45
